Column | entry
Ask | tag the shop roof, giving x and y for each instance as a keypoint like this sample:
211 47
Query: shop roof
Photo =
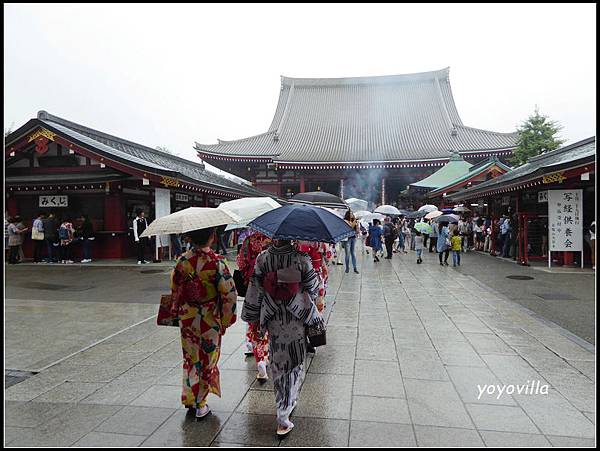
572 155
410 117
474 171
455 168
138 154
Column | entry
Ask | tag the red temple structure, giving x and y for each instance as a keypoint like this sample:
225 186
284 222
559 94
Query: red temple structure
365 137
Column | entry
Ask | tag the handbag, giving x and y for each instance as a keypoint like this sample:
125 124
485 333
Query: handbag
316 335
167 312
37 235
240 286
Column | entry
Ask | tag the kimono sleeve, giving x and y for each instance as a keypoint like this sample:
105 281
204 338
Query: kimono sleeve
178 278
228 294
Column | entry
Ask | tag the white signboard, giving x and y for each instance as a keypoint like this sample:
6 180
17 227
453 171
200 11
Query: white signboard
54 201
565 215
542 196
162 201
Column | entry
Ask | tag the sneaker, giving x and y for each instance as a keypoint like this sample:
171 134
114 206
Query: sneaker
262 371
139 262
201 412
446 263
347 271
356 271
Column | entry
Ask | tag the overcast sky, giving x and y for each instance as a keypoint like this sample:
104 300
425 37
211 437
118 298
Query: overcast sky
170 75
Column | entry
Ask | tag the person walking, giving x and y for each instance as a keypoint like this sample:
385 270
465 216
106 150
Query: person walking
281 300
419 245
350 243
457 243
86 232
463 232
407 235
16 231
433 237
257 340
139 225
37 236
51 236
204 292
362 237
389 236
375 234
443 243
66 234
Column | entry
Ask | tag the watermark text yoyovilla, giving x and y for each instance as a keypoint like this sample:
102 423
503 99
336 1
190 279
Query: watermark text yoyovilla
530 388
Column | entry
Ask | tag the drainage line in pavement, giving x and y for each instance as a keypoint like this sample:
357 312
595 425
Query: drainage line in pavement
92 345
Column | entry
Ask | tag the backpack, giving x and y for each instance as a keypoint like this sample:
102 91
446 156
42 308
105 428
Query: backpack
63 233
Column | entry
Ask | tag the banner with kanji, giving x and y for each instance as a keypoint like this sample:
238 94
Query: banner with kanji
565 216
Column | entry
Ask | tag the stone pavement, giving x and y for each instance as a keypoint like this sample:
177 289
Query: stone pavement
408 346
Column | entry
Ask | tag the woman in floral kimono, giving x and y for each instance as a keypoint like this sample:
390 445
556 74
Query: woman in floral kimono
318 253
204 290
280 300
257 343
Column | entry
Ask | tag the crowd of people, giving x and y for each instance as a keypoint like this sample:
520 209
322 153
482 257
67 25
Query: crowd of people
53 238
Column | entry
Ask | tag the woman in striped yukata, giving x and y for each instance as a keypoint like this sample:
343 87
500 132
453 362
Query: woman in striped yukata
281 300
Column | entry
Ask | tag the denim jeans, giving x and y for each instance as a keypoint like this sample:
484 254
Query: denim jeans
456 258
87 249
350 243
419 253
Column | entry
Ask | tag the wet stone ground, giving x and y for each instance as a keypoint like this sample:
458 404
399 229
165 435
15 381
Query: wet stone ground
408 346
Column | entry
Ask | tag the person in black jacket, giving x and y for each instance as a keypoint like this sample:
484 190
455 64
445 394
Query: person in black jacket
389 235
139 225
86 232
51 236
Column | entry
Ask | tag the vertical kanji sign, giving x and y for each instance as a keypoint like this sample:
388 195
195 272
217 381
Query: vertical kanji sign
565 216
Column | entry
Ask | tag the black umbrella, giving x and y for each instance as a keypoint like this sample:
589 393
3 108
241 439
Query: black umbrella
302 222
320 198
416 214
447 218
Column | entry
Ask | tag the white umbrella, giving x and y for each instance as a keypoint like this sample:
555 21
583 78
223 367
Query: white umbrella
387 210
192 218
461 209
357 204
371 216
428 208
433 214
336 211
361 213
248 208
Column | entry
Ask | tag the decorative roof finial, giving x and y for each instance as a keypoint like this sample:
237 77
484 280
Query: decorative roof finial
454 132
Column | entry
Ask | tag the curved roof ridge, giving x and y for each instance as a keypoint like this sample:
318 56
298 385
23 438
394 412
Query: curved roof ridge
235 141
484 130
45 116
376 79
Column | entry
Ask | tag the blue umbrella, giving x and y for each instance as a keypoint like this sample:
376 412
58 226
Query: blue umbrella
302 222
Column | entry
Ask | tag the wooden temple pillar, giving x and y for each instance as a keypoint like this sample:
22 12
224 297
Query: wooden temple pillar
302 186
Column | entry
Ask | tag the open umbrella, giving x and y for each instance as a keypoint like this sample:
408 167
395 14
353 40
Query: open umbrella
361 214
433 214
387 210
192 218
461 209
302 222
423 227
247 208
428 208
357 204
416 214
371 216
447 218
319 198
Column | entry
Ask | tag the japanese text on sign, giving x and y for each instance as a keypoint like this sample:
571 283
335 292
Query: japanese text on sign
54 201
565 213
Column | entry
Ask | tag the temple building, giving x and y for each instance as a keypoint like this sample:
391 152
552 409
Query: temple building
56 165
365 137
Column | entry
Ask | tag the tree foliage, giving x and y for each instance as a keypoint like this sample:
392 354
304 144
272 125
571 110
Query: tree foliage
536 135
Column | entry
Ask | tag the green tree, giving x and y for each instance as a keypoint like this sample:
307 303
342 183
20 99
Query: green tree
536 136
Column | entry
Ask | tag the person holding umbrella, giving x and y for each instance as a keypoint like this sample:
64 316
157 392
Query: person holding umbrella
203 290
443 242
282 292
